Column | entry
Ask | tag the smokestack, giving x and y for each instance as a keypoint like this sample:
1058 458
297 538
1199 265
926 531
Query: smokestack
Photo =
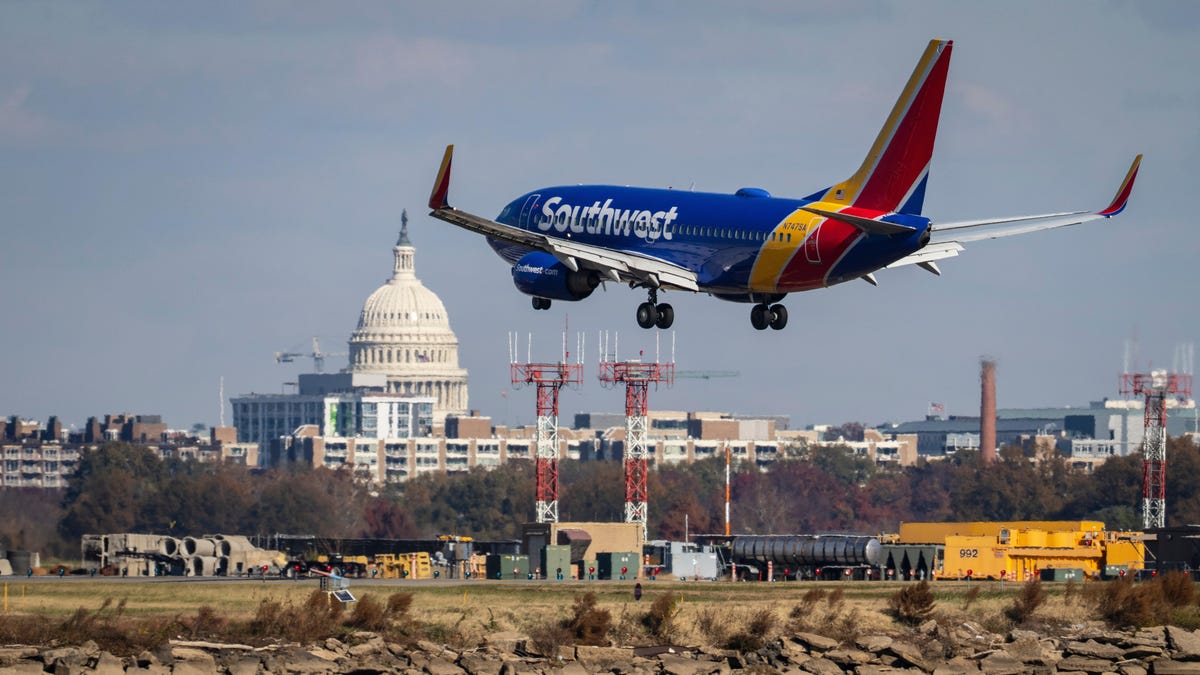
987 410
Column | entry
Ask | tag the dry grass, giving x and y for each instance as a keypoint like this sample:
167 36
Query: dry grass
463 614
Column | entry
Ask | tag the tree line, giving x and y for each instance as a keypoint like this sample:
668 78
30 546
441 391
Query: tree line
127 488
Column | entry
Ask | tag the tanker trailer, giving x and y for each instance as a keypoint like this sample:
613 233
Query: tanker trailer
808 556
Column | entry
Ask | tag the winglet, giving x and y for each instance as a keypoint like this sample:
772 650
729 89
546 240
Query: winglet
1122 196
441 186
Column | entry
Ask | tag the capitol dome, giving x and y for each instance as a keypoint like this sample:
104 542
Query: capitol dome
404 333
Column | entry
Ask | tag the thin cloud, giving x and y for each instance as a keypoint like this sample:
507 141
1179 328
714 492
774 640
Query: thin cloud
20 124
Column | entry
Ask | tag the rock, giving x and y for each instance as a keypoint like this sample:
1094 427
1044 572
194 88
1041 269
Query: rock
335 645
674 664
848 658
368 649
818 643
1017 635
928 627
210 646
1002 663
441 666
958 665
1154 636
1184 643
1033 652
193 668
874 669
508 642
821 666
243 665
571 668
910 654
1085 664
11 655
476 663
107 664
324 654
67 655
149 670
1172 667
602 658
1132 669
294 661
146 659
793 652
1141 652
1094 649
429 647
873 643
25 667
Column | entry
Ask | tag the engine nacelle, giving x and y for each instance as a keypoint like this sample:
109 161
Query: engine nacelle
544 276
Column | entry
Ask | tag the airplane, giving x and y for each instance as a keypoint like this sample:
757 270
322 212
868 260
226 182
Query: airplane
750 247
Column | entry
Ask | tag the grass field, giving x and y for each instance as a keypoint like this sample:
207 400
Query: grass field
466 612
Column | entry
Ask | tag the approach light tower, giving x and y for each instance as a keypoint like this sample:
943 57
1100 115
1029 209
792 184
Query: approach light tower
637 377
549 378
1159 388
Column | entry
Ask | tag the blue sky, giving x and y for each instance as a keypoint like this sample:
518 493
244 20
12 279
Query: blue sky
187 189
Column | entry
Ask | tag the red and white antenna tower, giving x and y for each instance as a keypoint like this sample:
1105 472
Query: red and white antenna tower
1161 390
637 376
549 378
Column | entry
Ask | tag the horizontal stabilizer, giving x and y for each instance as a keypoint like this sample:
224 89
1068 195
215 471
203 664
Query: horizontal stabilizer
865 224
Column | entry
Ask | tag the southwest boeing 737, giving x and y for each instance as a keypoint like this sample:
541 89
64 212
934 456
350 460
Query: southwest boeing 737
748 246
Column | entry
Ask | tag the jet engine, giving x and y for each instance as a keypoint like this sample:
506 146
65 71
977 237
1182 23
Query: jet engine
543 276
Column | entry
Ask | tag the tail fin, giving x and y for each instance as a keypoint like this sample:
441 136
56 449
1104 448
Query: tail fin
892 177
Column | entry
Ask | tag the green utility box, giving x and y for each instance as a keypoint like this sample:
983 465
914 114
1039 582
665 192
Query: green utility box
1063 574
556 560
1116 571
610 564
508 566
586 572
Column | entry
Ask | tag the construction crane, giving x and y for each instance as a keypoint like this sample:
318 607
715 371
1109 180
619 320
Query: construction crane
316 355
706 374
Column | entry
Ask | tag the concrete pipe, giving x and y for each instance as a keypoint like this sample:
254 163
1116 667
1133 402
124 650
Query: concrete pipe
23 560
168 546
193 547
226 546
203 565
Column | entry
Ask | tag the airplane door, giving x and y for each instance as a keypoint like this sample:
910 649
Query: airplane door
527 217
812 250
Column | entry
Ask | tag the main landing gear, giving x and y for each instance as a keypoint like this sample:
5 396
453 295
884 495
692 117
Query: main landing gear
651 314
541 303
764 315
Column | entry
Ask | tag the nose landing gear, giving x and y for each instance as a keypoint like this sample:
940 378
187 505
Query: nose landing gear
651 314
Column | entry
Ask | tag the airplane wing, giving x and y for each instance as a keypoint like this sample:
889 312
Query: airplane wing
615 265
947 239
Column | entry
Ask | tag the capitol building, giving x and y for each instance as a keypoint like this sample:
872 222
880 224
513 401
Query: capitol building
402 380
404 333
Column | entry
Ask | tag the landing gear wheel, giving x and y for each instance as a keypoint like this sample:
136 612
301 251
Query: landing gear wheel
647 315
541 303
666 316
778 317
760 317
